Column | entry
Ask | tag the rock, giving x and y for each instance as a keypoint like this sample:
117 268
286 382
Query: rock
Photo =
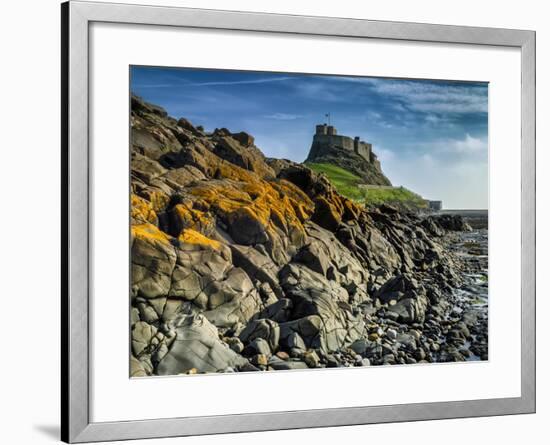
136 368
258 266
153 260
243 138
282 355
392 333
247 157
205 277
313 294
142 335
419 354
373 336
264 329
259 346
197 346
326 214
451 222
235 344
288 365
311 359
411 310
278 311
259 360
359 346
186 125
292 340
313 257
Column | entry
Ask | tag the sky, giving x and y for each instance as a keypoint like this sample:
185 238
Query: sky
431 136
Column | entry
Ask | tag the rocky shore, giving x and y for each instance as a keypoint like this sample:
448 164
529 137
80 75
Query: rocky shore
243 263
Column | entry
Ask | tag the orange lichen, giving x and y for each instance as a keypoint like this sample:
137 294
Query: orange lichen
142 210
190 218
190 236
149 232
270 206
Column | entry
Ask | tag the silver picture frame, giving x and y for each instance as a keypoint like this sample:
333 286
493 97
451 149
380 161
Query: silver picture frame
77 16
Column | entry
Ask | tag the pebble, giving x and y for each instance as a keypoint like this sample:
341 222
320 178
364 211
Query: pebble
419 354
373 336
312 359
259 359
282 355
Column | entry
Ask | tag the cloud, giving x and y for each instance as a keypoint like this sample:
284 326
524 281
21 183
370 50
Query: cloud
283 116
429 97
384 155
184 83
378 119
240 82
468 145
445 150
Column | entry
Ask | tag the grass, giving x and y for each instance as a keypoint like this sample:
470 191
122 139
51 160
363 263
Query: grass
349 185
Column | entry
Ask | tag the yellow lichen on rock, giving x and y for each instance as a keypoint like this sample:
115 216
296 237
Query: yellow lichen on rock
258 206
186 217
190 236
149 232
142 210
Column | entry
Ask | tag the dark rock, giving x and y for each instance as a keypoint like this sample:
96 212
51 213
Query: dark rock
243 138
454 223
264 329
197 346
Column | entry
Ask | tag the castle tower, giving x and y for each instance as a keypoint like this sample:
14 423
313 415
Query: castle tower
331 131
321 129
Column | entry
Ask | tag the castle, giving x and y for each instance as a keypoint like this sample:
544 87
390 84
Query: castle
326 137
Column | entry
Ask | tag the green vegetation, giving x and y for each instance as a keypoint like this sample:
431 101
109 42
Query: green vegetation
343 180
397 195
352 187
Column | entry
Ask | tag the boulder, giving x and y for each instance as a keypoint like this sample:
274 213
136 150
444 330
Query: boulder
243 138
258 266
206 278
153 261
314 295
406 297
264 329
197 346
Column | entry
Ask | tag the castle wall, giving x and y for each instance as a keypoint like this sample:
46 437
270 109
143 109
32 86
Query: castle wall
363 149
325 136
337 140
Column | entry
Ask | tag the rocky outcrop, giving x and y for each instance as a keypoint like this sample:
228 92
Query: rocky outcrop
242 263
349 161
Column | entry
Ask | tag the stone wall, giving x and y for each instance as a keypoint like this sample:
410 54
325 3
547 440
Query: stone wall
363 149
336 140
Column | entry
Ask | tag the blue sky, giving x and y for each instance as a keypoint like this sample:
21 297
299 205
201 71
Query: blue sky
431 136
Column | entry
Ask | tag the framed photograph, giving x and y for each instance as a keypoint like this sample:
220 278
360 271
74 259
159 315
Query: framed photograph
277 222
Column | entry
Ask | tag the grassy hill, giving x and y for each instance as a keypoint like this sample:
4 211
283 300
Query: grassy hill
352 187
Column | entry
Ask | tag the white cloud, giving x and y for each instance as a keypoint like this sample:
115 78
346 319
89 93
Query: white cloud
453 170
384 155
468 145
429 97
240 82
180 83
283 116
